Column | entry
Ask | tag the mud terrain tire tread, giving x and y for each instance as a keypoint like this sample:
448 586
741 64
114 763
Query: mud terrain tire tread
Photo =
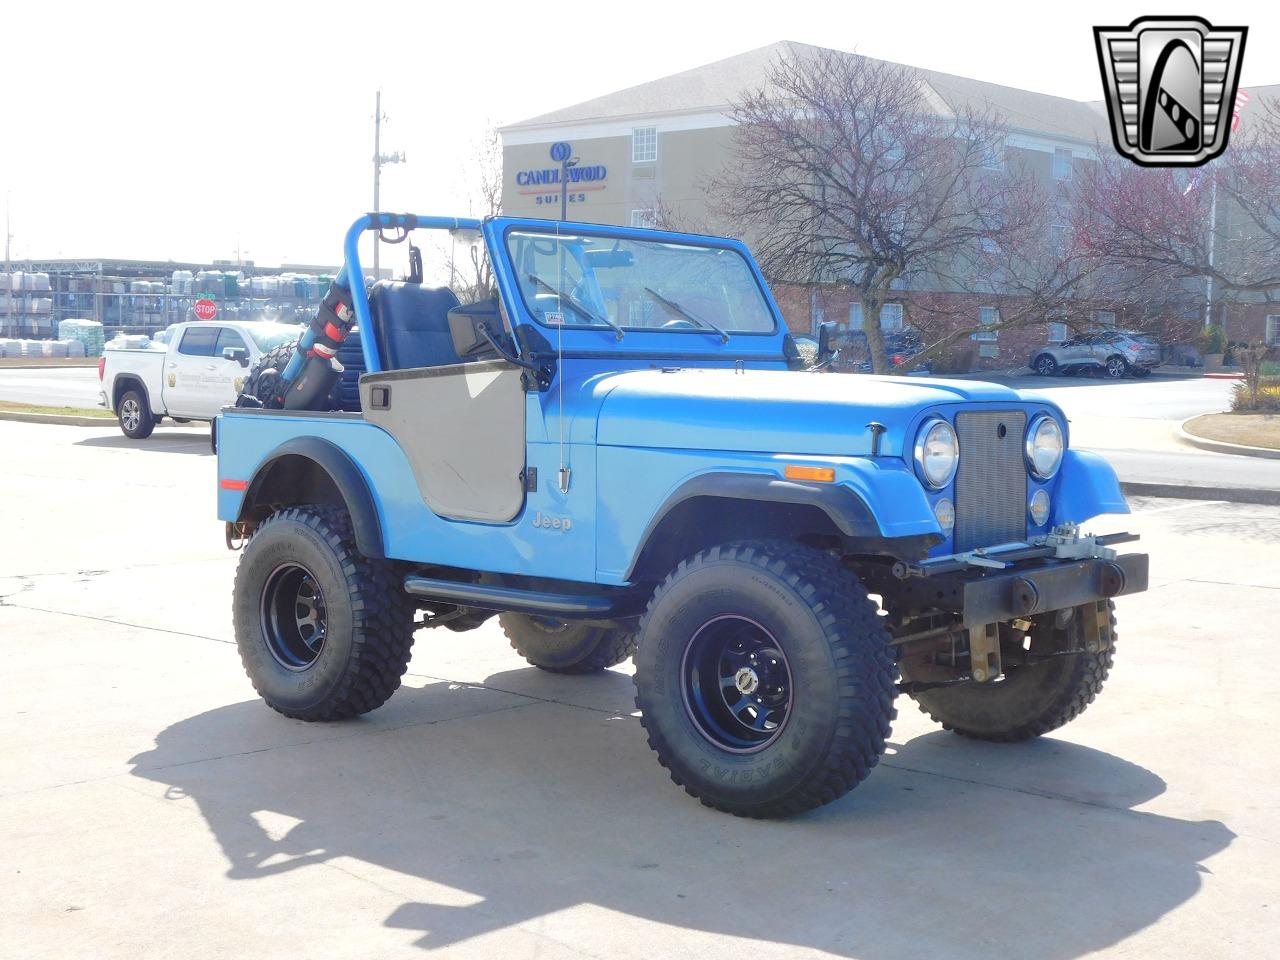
865 670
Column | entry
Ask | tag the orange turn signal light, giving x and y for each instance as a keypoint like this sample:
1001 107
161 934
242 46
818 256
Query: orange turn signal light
821 474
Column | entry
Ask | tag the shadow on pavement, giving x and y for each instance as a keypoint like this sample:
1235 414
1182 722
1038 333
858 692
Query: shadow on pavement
186 441
525 808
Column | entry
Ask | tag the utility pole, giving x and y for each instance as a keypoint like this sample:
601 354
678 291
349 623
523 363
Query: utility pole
8 268
1213 230
379 160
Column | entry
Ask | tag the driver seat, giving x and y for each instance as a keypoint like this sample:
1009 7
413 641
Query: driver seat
411 324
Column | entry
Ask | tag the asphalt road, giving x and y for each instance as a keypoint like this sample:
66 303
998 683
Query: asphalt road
152 807
52 387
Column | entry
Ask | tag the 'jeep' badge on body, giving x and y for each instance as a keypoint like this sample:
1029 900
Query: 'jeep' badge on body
1170 85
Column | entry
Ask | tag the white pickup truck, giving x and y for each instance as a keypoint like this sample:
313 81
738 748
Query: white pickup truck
200 371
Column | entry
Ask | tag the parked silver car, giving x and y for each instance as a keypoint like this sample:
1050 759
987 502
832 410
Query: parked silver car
1113 353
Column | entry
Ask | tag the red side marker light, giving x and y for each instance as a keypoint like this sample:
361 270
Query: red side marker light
233 484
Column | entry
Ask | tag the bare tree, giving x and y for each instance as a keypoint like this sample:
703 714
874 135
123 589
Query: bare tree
1219 223
470 272
846 174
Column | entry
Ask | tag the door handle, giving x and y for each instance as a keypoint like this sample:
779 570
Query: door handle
211 367
173 364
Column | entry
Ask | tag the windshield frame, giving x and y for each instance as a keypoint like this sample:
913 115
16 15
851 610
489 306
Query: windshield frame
548 229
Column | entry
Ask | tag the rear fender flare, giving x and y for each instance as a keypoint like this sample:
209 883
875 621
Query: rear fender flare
346 477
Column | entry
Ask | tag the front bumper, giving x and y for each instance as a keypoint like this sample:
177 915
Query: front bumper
1026 589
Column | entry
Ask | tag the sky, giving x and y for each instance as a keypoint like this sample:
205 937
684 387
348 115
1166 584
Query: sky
192 131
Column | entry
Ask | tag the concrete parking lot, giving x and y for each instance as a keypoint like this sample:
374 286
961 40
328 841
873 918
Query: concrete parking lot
151 806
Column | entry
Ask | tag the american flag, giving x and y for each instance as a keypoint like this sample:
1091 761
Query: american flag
1242 97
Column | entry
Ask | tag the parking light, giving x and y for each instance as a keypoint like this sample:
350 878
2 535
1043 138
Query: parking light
795 471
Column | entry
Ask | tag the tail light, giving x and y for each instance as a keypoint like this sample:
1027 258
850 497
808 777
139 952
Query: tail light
102 366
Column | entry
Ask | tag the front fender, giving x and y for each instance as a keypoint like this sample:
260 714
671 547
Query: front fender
1087 486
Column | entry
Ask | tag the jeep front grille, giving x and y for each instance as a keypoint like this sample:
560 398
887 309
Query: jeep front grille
991 482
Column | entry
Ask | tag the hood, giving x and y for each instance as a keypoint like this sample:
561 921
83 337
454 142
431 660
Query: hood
823 414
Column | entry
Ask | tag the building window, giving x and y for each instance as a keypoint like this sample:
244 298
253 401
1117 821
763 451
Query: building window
644 144
1057 332
855 316
1061 164
993 155
1272 332
1058 238
988 317
1104 318
644 217
891 317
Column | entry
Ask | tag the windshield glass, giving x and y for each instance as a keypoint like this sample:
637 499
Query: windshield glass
268 335
581 281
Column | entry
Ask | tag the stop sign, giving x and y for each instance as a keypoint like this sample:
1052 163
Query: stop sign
206 309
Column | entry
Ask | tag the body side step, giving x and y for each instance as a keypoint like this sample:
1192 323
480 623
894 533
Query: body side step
564 606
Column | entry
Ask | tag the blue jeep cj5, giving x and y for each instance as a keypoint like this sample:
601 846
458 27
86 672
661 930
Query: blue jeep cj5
619 450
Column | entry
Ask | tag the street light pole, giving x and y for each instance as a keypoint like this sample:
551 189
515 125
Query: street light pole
379 160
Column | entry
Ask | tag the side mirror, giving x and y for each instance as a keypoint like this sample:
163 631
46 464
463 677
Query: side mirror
826 342
801 352
465 327
239 354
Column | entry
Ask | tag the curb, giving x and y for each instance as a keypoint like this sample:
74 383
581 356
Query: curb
66 419
1221 446
1177 491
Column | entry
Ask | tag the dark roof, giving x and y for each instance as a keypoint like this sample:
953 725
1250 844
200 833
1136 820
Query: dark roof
715 86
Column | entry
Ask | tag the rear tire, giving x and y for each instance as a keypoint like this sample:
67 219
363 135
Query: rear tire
1032 699
560 647
764 678
135 416
1045 365
1116 368
324 633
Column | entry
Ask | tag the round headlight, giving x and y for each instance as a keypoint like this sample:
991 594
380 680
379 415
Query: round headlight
937 453
1039 508
1044 446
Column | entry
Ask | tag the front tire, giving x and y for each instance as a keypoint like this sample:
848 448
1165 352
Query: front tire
560 647
1045 365
135 416
324 633
1031 699
764 678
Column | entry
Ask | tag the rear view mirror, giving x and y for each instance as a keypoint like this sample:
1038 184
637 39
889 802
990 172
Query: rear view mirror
466 322
239 354
826 341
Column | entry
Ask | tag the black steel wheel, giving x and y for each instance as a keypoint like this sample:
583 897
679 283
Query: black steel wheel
293 616
764 678
736 683
324 633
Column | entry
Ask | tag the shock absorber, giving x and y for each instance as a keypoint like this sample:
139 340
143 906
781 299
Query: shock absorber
314 368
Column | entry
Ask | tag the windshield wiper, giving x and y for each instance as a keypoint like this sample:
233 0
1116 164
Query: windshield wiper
672 305
578 307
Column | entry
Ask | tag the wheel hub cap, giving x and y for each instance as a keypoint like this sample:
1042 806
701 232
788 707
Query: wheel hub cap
746 680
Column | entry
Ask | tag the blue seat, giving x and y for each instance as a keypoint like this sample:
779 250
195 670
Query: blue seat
346 392
411 324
